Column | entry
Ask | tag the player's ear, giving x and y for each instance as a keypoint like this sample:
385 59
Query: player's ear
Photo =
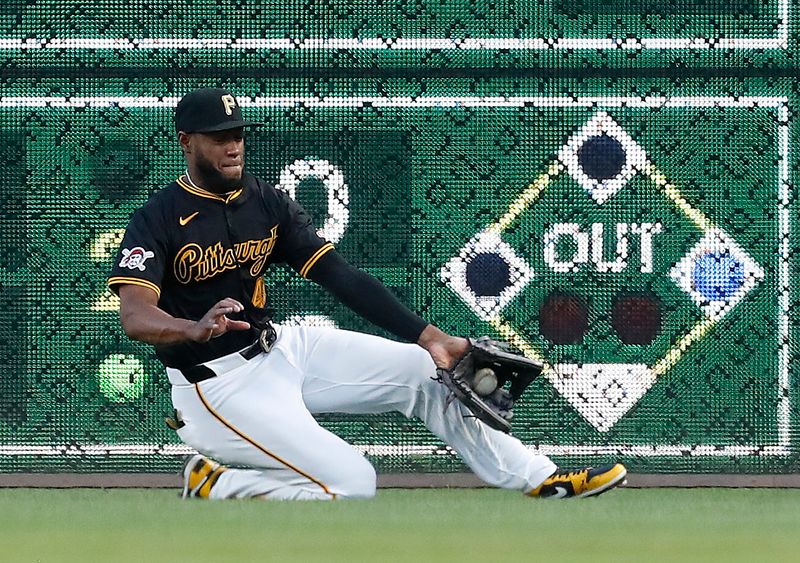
185 139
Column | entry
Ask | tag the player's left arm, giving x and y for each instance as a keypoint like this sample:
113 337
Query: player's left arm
315 258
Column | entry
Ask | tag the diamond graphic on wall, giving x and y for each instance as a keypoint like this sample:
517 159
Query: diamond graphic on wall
487 274
715 274
602 157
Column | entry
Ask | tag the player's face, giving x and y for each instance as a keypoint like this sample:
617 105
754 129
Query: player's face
217 159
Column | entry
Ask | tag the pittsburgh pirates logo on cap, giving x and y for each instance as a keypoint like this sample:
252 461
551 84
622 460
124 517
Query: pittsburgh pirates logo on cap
229 102
200 111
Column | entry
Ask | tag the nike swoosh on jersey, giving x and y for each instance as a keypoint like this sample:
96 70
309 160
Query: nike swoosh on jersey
184 221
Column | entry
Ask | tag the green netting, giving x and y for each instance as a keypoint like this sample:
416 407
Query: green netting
611 191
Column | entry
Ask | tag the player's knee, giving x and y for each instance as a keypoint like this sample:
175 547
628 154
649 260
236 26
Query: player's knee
360 482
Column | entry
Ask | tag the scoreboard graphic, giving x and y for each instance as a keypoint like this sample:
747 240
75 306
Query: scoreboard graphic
611 192
621 302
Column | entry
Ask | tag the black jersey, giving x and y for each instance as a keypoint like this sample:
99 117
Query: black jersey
194 248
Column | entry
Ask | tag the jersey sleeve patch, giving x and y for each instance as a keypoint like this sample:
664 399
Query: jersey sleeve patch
135 258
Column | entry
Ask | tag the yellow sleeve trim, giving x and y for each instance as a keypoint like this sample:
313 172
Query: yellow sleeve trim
134 281
315 258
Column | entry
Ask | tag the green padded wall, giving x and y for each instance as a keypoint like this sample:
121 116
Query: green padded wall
607 185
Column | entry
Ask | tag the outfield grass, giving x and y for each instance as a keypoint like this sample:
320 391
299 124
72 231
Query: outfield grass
483 525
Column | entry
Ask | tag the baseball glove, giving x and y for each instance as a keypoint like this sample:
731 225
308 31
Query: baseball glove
472 380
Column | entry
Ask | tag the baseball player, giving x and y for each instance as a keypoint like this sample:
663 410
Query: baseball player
189 275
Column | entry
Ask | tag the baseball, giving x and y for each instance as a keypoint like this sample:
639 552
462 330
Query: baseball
485 381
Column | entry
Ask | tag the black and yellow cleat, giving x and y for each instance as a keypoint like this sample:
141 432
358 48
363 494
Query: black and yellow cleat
199 476
587 482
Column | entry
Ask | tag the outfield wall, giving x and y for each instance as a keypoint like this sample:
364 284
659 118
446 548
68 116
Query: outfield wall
607 185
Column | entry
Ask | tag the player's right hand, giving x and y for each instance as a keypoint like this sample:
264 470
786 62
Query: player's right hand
216 322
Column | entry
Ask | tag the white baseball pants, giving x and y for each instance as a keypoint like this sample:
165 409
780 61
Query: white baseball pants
259 414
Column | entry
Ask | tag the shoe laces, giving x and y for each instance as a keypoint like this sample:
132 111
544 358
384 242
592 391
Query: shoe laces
574 473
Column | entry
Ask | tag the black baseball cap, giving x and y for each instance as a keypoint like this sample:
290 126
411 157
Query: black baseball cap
208 110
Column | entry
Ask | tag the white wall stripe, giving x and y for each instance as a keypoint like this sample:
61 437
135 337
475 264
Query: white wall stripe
783 23
402 44
404 101
784 287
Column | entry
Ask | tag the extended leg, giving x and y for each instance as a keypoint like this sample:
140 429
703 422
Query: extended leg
357 373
